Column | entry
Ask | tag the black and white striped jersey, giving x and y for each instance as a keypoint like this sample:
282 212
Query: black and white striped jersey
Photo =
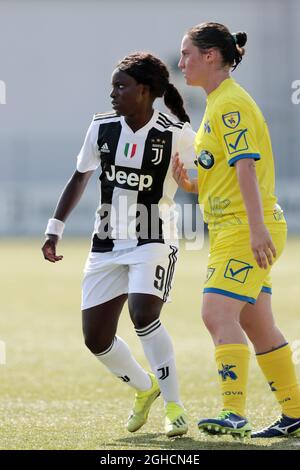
136 184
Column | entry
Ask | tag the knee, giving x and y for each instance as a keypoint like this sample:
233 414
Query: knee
209 320
143 317
144 309
215 321
96 343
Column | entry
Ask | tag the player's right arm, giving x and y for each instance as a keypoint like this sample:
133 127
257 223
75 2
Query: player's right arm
87 161
66 203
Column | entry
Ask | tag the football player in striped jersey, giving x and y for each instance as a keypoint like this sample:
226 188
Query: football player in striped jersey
134 244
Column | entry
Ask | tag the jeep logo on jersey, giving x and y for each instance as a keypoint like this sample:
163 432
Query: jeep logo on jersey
126 178
206 159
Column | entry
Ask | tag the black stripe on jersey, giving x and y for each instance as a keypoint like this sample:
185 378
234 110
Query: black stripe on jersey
164 118
150 199
101 117
163 124
109 134
170 273
167 126
178 124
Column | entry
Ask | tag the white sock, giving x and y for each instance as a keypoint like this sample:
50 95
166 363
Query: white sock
119 360
159 351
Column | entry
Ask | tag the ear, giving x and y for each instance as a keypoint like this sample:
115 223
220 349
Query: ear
145 89
211 55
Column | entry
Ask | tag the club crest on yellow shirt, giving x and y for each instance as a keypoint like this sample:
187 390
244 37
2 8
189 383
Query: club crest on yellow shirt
231 120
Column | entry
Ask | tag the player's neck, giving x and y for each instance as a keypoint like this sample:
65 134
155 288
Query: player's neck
216 80
139 120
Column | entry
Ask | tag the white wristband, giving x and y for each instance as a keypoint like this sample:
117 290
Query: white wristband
55 227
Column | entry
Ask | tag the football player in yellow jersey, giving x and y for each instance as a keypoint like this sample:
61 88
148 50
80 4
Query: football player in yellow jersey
247 233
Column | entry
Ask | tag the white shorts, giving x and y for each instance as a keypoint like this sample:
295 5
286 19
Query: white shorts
145 269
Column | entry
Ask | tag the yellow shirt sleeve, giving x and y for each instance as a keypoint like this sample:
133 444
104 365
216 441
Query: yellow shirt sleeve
236 131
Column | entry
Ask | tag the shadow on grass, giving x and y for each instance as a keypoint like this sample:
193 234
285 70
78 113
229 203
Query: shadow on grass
158 441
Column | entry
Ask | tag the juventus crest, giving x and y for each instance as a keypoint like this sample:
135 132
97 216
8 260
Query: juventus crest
158 149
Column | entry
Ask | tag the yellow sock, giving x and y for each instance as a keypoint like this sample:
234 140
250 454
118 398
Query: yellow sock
279 371
233 363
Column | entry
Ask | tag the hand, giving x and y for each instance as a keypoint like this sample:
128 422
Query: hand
49 249
262 246
181 177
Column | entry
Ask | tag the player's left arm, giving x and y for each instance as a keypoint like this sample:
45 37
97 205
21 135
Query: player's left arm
261 242
235 125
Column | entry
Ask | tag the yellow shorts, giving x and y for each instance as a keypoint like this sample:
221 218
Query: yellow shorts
232 269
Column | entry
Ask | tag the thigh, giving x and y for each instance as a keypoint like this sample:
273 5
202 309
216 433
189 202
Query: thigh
151 270
232 269
99 323
220 308
104 279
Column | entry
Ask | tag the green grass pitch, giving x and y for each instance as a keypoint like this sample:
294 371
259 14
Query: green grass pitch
55 394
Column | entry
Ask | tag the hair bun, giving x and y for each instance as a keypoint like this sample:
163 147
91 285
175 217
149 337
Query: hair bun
240 38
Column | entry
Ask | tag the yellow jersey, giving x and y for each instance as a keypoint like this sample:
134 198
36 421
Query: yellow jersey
232 128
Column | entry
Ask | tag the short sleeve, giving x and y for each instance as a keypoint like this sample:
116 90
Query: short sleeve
89 158
236 128
186 146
